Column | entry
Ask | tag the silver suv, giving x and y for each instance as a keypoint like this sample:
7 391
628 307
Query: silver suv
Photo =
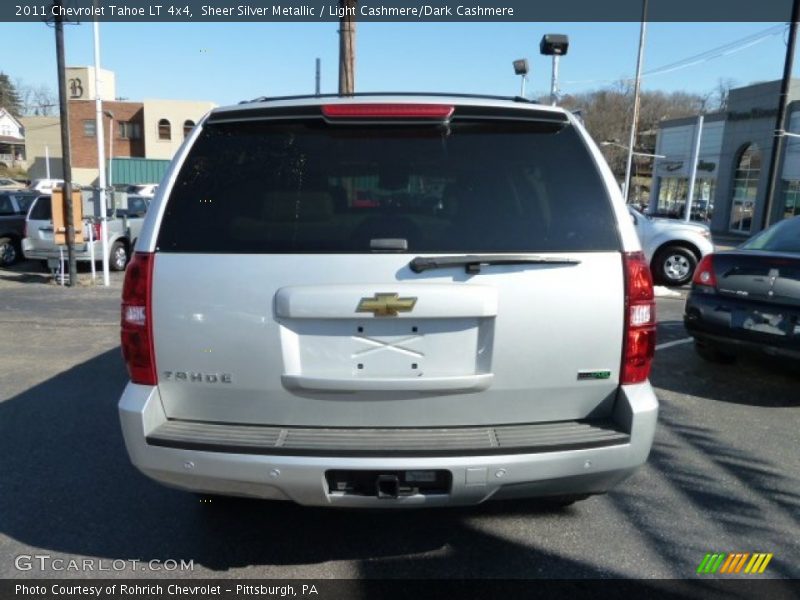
389 301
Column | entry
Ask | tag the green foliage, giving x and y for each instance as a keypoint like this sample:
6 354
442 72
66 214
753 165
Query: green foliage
9 97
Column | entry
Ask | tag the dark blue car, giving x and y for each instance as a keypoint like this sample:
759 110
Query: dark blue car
748 299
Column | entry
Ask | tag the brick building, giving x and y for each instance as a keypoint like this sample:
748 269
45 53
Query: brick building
149 132
127 127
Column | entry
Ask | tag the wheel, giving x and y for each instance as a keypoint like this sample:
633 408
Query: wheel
713 354
9 253
119 256
674 265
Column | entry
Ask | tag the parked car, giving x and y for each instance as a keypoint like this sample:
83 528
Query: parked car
39 243
146 190
672 247
748 299
14 206
284 345
6 183
46 186
137 207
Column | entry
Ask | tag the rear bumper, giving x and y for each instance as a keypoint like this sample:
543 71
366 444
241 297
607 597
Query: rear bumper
83 252
711 318
475 477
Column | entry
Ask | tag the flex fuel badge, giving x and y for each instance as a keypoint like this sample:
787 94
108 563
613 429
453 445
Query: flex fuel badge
586 375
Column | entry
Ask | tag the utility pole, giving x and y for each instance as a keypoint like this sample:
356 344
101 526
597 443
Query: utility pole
316 87
636 85
347 47
65 150
780 120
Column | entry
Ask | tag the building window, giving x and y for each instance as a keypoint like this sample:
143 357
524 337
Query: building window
89 128
164 130
129 130
791 199
188 125
745 188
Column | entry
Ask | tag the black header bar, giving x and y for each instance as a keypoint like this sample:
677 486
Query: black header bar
397 10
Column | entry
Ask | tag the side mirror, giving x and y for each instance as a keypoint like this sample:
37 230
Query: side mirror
634 219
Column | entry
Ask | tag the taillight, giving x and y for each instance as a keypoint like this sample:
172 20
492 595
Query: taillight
137 321
704 273
97 231
434 112
640 320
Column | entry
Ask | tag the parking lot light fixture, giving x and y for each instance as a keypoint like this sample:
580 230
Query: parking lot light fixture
555 45
521 68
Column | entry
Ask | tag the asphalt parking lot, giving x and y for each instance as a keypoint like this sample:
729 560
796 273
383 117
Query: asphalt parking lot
723 476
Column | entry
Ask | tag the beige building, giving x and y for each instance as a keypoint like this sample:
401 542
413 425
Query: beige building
168 122
42 142
81 84
153 129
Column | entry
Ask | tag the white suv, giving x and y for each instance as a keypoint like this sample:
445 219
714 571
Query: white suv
397 301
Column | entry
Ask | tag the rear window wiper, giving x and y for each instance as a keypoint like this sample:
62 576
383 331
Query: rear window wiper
473 264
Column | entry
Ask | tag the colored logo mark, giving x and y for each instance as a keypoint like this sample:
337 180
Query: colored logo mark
737 562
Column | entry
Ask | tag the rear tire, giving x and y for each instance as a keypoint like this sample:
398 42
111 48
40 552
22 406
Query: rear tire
9 252
674 265
712 354
118 259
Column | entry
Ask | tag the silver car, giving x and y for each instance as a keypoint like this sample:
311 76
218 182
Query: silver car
398 301
40 243
672 246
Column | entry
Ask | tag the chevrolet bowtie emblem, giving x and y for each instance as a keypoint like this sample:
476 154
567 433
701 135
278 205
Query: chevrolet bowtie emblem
386 305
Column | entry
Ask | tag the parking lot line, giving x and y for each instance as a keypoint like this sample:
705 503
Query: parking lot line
673 343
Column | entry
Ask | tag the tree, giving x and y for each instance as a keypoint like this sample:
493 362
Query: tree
36 100
721 92
607 115
9 98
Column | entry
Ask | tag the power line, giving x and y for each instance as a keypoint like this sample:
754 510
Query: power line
702 57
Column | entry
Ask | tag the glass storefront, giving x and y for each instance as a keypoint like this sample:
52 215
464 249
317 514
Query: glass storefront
745 186
672 194
791 199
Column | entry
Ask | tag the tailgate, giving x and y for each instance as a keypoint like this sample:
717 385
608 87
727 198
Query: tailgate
259 339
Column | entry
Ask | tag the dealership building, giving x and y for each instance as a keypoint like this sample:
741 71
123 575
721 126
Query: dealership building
733 158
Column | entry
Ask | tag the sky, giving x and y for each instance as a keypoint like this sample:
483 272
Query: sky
228 62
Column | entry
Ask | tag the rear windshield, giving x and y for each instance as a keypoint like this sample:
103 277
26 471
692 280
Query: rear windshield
311 187
25 202
41 210
782 237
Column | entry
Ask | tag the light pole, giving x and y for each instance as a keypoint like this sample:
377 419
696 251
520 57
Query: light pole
555 45
693 172
104 222
101 162
521 69
636 85
110 116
